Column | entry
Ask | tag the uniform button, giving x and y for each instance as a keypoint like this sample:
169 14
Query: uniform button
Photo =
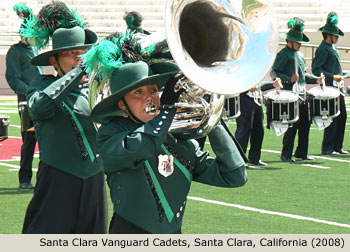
181 208
160 123
58 88
68 79
163 117
177 215
97 155
80 86
166 112
184 202
155 132
158 128
73 74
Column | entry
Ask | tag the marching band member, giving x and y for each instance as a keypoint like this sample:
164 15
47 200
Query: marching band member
327 61
19 74
289 66
149 171
70 193
250 124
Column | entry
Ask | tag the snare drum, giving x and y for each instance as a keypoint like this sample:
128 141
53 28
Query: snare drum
283 106
26 123
232 107
4 123
325 102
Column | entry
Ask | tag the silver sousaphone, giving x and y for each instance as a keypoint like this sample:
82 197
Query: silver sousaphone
223 48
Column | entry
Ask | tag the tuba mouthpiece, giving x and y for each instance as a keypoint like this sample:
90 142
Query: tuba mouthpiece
151 109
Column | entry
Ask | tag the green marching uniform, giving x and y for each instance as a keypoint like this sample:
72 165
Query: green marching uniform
287 62
327 61
19 73
147 197
250 125
140 194
70 194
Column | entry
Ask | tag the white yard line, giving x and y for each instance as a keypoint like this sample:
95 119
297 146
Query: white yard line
316 166
8 103
332 159
253 209
315 156
9 112
15 167
271 151
16 126
10 165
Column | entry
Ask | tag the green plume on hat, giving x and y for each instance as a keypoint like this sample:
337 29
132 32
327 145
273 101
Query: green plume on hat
295 33
116 50
51 17
23 11
331 25
296 24
333 18
111 53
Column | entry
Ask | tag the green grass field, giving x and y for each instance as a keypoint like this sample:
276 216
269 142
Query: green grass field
308 197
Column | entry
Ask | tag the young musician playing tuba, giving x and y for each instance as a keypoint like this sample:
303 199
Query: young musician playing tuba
149 171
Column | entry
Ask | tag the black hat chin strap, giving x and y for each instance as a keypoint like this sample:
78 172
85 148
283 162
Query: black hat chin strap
59 65
131 114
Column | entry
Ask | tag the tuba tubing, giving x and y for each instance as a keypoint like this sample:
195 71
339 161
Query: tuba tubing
222 46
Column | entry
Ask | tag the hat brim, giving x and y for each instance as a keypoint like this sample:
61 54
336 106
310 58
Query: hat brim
339 33
305 38
109 106
43 59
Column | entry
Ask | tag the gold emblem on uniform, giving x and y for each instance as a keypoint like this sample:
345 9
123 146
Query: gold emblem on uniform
165 165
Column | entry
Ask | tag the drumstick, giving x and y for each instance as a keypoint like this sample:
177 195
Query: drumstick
323 81
279 82
346 76
296 63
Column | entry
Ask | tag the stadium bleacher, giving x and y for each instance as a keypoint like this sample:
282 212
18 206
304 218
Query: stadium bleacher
106 16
